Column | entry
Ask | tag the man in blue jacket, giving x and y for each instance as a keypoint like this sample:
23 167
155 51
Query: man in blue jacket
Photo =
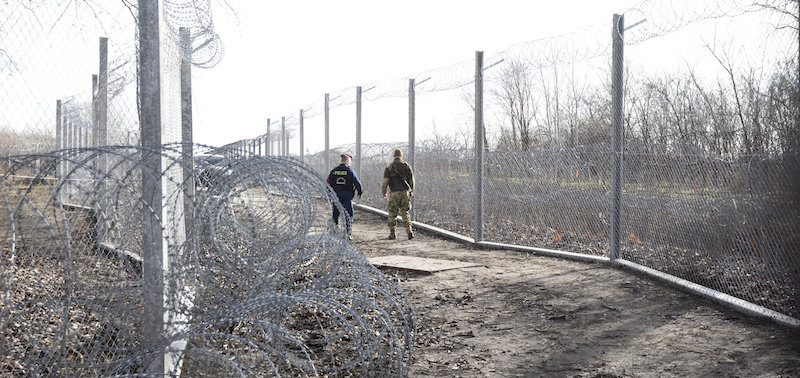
346 184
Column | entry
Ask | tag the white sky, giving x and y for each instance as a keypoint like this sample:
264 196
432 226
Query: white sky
283 55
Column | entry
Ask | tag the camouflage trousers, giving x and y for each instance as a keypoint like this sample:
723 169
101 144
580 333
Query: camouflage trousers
399 203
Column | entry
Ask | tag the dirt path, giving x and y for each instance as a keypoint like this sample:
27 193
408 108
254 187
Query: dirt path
527 315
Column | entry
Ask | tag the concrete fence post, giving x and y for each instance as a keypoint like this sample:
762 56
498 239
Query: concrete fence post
153 252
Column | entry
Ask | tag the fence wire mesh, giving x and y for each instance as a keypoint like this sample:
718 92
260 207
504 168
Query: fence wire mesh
122 260
262 283
707 152
710 158
253 280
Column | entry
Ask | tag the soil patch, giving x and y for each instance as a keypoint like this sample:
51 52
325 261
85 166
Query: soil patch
518 314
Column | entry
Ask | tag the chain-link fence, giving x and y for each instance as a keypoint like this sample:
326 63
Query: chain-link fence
135 260
258 283
666 137
124 256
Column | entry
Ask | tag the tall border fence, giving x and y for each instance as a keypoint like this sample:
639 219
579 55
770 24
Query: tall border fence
124 254
662 175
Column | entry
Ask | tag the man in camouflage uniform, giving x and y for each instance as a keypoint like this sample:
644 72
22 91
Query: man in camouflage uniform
399 179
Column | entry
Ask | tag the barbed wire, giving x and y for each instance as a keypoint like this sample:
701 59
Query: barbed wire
652 19
256 279
196 15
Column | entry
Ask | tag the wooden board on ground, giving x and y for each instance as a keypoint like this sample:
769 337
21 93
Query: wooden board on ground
418 264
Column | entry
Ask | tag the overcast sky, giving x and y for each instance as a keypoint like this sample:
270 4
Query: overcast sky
283 55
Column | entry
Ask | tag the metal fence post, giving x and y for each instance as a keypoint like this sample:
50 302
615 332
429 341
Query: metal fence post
65 137
71 132
302 136
411 133
94 111
268 144
326 160
59 144
478 146
617 29
358 129
283 137
153 255
102 95
70 142
187 133
101 140
795 173
65 142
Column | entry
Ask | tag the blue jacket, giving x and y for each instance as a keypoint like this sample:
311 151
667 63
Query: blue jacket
344 179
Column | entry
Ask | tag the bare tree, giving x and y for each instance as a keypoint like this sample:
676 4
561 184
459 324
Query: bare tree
468 97
713 112
517 101
594 124
552 111
726 61
573 108
641 102
780 110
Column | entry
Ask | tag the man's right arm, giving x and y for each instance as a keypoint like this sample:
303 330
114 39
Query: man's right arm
385 184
